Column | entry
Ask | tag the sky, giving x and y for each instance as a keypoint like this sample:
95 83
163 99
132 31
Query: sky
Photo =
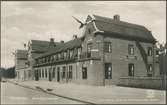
41 20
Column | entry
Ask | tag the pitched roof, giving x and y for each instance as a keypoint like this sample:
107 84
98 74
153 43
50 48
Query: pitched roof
124 29
40 46
63 47
21 54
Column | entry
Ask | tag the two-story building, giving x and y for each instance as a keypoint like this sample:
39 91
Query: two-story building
110 52
24 59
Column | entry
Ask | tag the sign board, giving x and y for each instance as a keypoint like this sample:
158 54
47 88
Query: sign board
96 50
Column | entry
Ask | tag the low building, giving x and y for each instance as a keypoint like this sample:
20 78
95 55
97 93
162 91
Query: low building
20 63
110 52
24 59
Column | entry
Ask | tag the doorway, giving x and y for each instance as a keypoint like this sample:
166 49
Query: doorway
36 75
58 74
50 75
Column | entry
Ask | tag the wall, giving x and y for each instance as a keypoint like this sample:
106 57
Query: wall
143 82
120 58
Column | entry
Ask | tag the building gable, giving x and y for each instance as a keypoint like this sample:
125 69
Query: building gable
120 29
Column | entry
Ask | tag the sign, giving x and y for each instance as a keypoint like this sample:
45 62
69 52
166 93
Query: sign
96 50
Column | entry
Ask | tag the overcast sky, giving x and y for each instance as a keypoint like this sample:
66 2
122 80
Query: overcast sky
23 21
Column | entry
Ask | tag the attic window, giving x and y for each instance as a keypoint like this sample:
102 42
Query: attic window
149 51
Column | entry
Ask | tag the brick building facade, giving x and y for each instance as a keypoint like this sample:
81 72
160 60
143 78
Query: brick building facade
110 52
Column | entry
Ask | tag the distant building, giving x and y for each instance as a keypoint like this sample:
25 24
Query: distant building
24 59
110 52
20 63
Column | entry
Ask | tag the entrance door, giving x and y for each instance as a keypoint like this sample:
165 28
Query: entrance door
108 71
108 74
50 75
36 75
58 75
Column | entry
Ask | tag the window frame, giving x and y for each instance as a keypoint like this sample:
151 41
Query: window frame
107 47
131 48
149 51
131 73
150 73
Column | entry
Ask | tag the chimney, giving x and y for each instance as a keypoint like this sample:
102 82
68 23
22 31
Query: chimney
116 17
52 40
52 44
61 41
74 36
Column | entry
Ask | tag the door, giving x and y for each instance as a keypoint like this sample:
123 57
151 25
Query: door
58 75
36 75
50 75
108 71
108 74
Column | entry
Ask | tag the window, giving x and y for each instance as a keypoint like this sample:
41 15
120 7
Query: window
45 59
71 53
62 55
70 72
65 54
157 52
108 71
64 70
59 56
107 47
54 72
150 70
84 73
49 58
149 51
79 52
131 49
89 47
131 69
75 52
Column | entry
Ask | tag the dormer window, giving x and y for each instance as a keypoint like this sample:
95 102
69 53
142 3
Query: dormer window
65 54
149 51
71 53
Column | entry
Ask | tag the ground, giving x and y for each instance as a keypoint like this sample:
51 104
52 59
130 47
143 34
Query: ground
96 94
13 94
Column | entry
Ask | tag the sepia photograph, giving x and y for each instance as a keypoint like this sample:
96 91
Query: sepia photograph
83 52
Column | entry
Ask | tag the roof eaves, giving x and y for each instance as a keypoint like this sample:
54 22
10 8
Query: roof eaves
116 35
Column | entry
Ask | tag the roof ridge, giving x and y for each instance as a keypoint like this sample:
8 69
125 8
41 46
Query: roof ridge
123 22
39 40
60 47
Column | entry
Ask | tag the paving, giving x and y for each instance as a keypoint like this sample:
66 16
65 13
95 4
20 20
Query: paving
100 94
17 94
